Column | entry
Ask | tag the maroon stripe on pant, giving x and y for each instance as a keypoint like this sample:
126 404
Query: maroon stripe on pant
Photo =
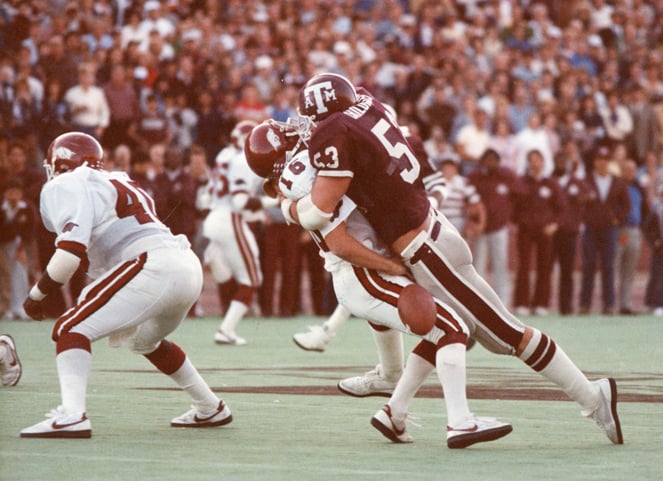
99 295
467 296
245 249
369 278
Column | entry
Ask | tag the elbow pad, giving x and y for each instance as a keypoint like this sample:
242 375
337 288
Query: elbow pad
310 216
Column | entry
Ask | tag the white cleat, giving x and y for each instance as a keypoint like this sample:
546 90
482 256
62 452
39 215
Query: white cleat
315 340
10 364
370 384
60 425
222 337
195 419
391 427
605 415
476 429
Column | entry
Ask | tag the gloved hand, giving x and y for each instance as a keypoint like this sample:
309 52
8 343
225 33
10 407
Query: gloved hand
34 309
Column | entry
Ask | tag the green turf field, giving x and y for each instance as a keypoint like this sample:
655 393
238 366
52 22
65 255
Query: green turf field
319 434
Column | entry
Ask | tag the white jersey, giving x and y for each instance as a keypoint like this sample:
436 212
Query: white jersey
104 215
233 182
297 180
217 187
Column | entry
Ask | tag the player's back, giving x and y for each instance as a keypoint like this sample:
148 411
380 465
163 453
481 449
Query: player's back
363 141
105 214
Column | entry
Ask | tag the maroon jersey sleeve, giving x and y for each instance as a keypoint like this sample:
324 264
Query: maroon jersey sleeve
364 143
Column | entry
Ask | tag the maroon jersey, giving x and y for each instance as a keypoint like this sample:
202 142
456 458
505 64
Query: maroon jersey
364 143
497 190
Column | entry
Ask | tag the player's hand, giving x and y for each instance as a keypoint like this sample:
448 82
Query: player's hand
34 309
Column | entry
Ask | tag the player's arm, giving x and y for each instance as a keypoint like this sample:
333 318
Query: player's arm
342 244
314 211
59 270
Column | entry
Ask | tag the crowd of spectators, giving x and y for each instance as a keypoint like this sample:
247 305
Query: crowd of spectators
160 82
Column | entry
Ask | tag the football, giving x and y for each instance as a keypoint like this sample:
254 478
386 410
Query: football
417 309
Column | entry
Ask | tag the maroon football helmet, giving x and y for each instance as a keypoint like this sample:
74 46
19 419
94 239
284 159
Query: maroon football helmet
325 94
72 150
267 146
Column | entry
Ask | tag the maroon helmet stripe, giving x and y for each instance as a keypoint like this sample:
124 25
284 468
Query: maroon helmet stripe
244 249
465 295
99 295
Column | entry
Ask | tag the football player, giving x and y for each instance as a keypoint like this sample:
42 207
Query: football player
377 292
359 151
232 252
146 279
318 337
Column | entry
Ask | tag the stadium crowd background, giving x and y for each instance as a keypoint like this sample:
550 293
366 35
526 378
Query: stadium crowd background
162 83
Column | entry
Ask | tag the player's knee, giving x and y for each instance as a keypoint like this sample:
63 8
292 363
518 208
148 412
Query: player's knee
72 340
244 294
536 349
168 357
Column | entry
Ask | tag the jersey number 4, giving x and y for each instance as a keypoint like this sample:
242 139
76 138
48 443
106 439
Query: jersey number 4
133 201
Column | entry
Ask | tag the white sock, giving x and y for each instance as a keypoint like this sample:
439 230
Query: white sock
415 373
560 370
73 370
390 353
450 365
189 379
563 372
236 312
340 315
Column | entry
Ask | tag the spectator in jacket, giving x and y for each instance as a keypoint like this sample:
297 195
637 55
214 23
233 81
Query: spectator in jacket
497 186
175 195
18 220
607 207
565 240
629 237
538 210
653 230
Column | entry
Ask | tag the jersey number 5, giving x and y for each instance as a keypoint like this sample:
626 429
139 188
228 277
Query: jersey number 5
407 162
133 201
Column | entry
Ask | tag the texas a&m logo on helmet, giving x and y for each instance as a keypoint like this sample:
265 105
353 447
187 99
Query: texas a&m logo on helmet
325 94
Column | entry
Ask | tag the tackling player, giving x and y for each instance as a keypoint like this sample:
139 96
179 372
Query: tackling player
376 292
146 279
359 151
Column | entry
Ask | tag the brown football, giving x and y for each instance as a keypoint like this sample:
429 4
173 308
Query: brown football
417 309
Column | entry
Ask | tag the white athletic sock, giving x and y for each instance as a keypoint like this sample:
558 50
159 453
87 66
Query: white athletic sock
559 369
340 315
450 366
415 373
563 372
73 370
189 379
236 312
390 353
